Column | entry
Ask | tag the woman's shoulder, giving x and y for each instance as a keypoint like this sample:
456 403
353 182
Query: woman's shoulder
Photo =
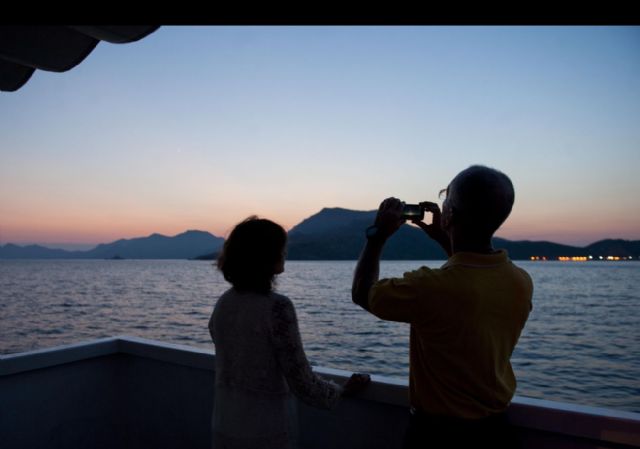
280 301
227 295
229 292
279 297
282 306
277 300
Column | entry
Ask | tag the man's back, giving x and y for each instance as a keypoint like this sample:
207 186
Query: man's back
466 318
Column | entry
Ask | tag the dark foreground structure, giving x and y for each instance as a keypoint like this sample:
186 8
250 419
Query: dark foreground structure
126 392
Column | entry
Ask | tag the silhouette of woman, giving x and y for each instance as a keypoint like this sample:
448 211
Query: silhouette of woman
260 359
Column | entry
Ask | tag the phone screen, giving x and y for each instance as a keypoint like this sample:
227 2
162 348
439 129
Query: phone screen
412 212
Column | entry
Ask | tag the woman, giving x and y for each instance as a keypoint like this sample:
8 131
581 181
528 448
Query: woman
259 355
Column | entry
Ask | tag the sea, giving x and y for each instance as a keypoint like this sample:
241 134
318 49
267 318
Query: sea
580 345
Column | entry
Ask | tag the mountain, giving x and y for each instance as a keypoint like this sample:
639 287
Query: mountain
331 234
331 220
156 246
338 234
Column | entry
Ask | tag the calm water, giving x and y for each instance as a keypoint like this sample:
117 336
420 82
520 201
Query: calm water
580 345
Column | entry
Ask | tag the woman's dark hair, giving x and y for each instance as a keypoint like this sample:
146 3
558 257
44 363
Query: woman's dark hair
251 253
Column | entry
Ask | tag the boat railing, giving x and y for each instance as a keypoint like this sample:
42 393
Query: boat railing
132 392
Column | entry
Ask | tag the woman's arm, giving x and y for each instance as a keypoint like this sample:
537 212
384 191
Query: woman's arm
302 381
211 331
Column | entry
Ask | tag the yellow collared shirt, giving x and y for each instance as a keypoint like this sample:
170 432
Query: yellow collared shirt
466 318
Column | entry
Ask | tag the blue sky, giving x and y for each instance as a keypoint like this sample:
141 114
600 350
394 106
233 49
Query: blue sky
199 127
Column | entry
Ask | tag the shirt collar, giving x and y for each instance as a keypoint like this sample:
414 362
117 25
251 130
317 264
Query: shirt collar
477 259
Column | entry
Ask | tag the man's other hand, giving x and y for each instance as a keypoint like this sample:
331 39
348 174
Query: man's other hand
389 217
434 230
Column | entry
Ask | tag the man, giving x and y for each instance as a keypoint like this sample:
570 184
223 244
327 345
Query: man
466 317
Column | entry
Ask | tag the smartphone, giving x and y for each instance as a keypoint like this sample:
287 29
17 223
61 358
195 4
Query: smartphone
413 212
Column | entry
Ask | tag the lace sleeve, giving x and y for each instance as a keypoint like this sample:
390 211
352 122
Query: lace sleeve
302 381
211 329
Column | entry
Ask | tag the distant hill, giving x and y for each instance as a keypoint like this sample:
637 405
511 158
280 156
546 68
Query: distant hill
187 245
617 247
11 251
182 246
524 249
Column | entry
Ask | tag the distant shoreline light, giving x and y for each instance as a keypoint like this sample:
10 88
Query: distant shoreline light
581 258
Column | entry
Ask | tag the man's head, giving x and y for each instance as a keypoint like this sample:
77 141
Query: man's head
479 199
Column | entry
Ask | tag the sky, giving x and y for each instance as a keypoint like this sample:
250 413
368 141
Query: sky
200 127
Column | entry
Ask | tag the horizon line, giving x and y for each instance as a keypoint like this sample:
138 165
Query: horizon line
90 246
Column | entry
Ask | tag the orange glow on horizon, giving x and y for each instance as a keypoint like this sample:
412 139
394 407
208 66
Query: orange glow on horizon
76 224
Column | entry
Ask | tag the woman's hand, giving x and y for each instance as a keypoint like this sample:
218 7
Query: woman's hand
356 383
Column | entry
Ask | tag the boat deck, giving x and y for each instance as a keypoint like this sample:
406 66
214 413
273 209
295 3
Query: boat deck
127 392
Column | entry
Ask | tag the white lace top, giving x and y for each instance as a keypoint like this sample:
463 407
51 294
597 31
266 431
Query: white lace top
259 362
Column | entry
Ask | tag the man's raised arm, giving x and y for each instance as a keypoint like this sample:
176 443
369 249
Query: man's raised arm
388 220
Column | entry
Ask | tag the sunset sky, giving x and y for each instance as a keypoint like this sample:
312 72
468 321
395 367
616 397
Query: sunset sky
199 127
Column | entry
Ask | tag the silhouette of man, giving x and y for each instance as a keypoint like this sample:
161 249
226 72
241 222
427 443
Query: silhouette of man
466 317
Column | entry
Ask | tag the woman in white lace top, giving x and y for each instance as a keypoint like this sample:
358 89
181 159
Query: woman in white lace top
260 360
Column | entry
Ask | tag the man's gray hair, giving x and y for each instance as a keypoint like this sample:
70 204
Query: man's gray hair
483 198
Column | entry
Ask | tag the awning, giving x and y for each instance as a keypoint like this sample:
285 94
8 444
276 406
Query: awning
23 49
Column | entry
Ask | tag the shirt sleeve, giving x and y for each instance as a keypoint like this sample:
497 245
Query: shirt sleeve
303 382
398 299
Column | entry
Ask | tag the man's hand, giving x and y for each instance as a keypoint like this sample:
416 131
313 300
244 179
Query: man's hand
389 217
434 230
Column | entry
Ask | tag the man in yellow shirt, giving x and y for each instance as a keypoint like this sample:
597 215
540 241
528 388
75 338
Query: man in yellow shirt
466 317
